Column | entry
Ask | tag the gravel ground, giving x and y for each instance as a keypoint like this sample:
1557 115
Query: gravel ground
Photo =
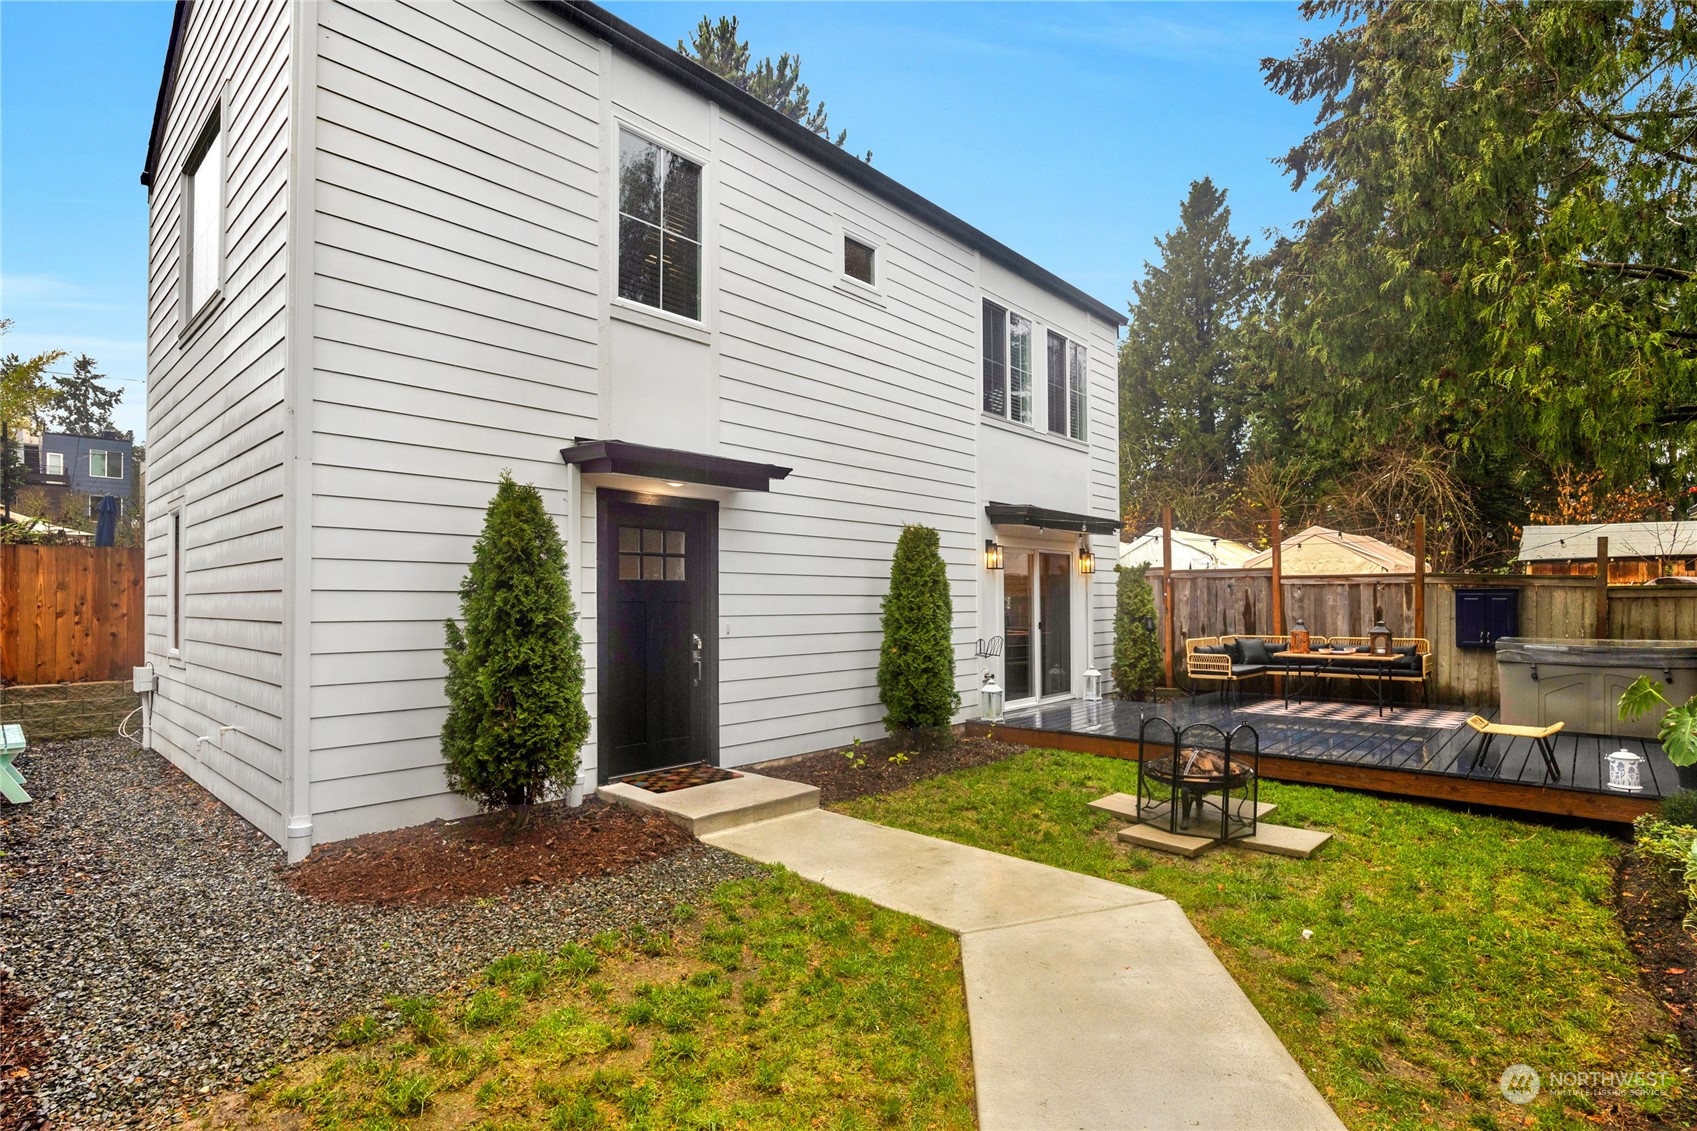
168 960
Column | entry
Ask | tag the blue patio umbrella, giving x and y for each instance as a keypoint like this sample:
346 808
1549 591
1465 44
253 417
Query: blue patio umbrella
106 529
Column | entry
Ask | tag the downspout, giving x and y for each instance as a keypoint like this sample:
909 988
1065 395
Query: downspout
296 787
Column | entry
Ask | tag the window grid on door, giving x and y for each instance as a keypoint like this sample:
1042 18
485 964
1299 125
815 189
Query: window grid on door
650 554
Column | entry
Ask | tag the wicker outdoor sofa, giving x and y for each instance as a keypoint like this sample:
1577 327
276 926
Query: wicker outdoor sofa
1232 660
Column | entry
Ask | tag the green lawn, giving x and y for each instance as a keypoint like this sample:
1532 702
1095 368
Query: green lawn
1445 946
778 1005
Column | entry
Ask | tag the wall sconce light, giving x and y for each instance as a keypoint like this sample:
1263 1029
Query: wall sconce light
992 554
1086 559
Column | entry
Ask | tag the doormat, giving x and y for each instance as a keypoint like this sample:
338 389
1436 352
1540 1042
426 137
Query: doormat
1430 718
674 778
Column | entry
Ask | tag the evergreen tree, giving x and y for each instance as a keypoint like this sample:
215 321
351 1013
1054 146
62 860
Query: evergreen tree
1138 666
716 47
81 405
516 718
1182 370
24 394
916 667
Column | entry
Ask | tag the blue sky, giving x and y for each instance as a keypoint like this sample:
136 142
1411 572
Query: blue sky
1069 131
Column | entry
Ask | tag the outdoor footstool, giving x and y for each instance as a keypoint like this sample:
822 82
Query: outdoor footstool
1539 735
11 778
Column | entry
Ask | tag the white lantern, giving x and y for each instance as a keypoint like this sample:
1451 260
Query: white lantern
1623 771
990 698
1092 685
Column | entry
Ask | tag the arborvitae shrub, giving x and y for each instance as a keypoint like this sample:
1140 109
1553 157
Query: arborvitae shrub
516 718
916 668
1137 652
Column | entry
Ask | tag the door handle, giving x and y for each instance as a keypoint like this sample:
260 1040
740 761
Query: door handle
695 657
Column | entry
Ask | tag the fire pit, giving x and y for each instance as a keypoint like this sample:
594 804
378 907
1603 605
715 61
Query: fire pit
1179 788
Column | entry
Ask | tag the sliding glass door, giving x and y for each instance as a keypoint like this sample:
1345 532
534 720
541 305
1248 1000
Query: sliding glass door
1037 624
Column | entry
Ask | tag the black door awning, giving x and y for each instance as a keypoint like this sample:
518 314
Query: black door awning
1024 514
615 457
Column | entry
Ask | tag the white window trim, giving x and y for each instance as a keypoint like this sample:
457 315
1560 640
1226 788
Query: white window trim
47 459
105 463
664 320
1037 425
874 292
174 587
193 321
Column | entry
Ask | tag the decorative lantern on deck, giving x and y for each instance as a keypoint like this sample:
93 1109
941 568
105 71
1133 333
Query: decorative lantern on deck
1623 771
990 698
1299 636
1379 640
1092 685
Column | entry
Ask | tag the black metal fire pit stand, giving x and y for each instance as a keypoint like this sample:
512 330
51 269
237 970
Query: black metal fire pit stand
1205 761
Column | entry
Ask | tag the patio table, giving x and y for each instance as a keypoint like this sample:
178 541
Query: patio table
1374 672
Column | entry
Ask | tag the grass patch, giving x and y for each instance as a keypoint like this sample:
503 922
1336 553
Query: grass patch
1445 946
776 1004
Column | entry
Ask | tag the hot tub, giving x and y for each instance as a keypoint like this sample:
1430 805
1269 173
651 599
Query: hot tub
1579 681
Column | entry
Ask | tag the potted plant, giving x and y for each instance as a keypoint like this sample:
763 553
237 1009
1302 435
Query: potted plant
1678 731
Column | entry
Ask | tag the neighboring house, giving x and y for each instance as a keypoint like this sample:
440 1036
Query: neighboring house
1638 551
1318 550
398 248
60 464
1190 551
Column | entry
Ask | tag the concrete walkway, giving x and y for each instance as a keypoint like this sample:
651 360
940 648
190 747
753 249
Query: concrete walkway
1093 1005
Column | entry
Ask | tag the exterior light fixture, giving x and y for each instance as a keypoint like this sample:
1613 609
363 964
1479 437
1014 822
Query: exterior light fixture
1086 559
1623 771
671 483
1092 685
992 554
990 697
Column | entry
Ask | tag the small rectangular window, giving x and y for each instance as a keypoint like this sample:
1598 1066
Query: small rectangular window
55 463
203 219
651 555
995 359
659 228
106 465
174 626
857 260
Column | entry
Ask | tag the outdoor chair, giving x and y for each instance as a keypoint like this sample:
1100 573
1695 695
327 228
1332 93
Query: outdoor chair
11 778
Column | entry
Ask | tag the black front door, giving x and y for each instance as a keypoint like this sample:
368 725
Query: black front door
658 594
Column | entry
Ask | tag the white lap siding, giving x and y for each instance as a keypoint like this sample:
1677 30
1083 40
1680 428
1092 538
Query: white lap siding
215 420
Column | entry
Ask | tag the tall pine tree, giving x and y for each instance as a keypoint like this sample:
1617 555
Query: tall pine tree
1183 374
82 406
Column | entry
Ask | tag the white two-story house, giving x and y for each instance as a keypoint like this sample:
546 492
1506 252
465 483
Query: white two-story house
396 248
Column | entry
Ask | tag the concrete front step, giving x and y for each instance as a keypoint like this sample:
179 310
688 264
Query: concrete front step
717 806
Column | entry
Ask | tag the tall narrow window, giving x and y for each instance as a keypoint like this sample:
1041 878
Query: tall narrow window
659 228
1019 369
203 219
1077 383
1057 384
174 629
995 359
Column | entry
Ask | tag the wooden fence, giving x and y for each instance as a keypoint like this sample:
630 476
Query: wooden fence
70 614
1220 602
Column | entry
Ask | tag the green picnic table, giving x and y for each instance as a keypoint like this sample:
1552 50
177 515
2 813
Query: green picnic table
11 778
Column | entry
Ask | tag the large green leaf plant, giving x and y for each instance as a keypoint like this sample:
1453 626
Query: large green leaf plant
1678 732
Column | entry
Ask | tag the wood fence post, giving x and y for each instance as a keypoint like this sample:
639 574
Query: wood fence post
1420 575
1167 593
1278 595
1603 587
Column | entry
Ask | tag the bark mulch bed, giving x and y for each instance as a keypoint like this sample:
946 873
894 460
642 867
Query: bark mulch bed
1651 915
486 855
838 779
23 1050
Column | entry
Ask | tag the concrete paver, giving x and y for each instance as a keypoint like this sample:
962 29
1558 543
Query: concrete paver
703 809
1092 1004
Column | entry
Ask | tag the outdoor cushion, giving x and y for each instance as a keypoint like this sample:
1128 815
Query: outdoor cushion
1254 652
1214 650
1248 669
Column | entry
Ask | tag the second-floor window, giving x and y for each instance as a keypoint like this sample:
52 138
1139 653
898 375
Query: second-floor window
55 463
659 228
203 220
106 465
1007 364
1066 387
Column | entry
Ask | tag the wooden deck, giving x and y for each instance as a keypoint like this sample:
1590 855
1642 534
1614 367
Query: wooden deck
1395 754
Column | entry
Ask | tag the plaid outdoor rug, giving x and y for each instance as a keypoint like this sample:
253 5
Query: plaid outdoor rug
674 778
1429 717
